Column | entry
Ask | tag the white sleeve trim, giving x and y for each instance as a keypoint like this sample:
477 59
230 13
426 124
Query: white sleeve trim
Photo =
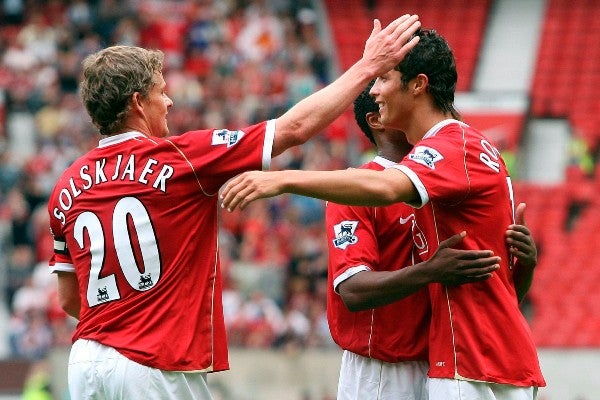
418 185
62 267
268 144
348 274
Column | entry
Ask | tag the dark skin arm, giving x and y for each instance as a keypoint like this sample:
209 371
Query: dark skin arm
370 289
523 248
448 266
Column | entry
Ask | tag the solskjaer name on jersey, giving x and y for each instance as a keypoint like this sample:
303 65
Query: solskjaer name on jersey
153 174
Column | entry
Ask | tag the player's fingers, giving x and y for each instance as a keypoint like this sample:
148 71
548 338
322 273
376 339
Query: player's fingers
238 197
475 276
376 27
518 239
483 264
522 241
479 278
233 182
518 231
475 255
230 196
226 195
452 240
483 270
248 197
228 200
410 44
520 214
519 253
403 34
402 25
394 24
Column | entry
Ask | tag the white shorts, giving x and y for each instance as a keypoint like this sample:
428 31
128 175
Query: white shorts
454 389
100 372
364 378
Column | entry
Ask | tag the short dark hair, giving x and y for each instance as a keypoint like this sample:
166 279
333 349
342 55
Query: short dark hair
364 104
433 57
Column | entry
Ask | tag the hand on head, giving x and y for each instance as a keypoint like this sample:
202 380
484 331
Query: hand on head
386 47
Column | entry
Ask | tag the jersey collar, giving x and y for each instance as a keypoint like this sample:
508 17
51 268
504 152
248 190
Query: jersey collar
121 137
436 128
384 162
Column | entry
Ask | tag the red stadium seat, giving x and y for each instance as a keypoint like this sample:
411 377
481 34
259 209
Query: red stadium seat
462 26
567 59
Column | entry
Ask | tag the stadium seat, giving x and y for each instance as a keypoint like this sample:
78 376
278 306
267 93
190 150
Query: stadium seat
462 26
567 66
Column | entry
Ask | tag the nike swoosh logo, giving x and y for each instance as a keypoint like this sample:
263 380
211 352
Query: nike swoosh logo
405 220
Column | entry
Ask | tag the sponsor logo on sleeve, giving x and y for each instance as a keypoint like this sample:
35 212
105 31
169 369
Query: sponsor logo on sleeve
227 137
344 234
426 156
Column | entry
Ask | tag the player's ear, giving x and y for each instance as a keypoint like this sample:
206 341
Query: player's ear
136 101
421 82
373 119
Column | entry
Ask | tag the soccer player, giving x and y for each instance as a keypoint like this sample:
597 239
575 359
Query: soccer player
378 309
135 221
480 346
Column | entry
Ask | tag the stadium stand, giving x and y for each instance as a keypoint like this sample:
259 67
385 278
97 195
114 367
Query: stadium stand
566 74
463 27
568 221
567 71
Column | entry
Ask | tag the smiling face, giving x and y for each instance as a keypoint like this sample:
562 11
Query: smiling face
394 101
156 105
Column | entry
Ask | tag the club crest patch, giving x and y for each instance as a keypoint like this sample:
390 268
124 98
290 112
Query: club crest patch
426 156
227 137
344 234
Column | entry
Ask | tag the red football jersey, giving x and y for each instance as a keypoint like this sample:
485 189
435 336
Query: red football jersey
477 331
376 239
136 220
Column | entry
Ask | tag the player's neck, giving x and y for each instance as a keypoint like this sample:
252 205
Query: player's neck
136 122
393 148
423 122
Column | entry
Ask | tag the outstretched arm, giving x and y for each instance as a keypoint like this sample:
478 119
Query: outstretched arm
448 266
351 186
384 49
522 246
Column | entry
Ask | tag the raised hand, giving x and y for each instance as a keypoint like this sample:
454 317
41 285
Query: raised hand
386 47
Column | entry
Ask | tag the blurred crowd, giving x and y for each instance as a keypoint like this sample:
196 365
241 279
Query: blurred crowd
229 63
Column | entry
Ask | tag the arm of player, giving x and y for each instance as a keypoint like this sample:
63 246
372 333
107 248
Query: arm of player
384 49
362 187
448 266
522 246
68 293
